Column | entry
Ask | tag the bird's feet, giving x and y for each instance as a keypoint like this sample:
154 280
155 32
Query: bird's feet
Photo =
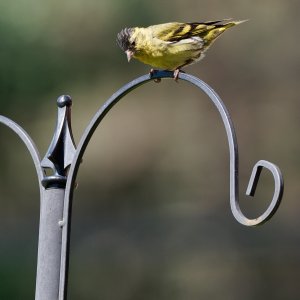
176 74
152 72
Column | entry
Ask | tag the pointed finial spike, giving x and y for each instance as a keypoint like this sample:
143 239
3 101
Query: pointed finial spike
62 148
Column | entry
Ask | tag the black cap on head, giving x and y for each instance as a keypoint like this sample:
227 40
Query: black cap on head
123 39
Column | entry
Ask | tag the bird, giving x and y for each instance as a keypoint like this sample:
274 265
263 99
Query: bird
171 46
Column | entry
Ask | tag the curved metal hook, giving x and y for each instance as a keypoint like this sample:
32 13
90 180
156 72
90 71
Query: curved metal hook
234 163
28 143
233 148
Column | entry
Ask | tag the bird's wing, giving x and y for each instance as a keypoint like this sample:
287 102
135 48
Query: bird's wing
174 32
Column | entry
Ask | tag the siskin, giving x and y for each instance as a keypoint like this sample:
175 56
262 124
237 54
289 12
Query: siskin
171 46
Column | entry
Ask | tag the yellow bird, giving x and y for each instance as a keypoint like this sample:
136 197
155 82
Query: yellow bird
171 46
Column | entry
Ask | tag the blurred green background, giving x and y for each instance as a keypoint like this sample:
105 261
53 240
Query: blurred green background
151 216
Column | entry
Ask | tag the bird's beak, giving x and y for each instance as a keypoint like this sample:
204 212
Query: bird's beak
129 54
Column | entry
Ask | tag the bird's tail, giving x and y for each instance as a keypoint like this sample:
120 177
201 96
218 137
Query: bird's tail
212 33
232 23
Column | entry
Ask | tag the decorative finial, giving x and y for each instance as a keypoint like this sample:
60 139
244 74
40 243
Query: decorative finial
64 100
62 148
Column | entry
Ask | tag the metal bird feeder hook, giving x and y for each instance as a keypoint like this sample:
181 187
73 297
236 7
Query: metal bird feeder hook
56 190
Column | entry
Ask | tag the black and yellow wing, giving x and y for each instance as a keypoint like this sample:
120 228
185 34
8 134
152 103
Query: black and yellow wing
175 31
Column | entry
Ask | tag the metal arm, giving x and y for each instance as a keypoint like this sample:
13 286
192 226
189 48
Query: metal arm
233 149
24 136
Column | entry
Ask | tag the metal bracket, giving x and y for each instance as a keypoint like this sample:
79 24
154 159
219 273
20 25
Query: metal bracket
64 159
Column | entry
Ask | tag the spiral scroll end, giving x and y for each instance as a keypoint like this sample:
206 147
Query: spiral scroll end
278 191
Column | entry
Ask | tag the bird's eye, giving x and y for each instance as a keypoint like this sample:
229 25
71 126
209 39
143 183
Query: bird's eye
133 43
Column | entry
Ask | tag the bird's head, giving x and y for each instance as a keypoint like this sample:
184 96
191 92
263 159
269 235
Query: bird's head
126 42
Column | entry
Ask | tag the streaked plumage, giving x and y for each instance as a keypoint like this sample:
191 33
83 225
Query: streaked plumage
171 46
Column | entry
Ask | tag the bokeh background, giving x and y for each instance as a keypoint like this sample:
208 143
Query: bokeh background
151 216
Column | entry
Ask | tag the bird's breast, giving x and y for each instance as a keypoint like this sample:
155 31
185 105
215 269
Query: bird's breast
168 55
